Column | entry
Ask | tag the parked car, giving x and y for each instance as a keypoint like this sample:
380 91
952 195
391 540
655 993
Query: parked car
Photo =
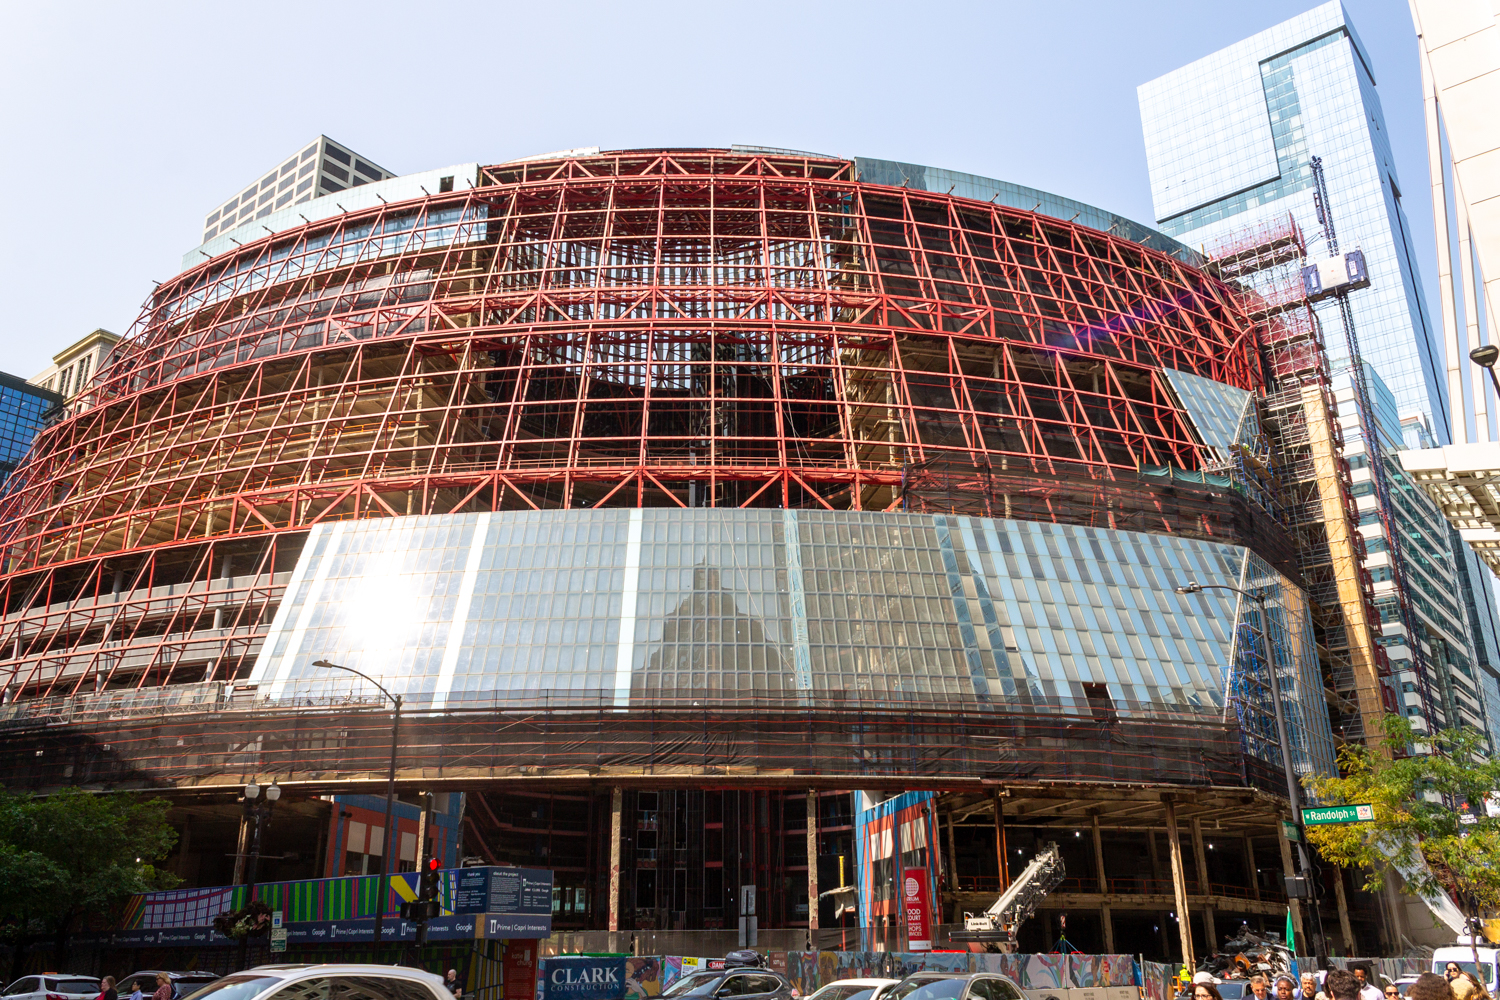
330 982
955 986
184 984
53 986
741 982
855 989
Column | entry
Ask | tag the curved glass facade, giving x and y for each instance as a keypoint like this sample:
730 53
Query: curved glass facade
669 608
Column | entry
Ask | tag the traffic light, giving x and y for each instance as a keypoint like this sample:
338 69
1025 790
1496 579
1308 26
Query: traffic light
427 887
426 905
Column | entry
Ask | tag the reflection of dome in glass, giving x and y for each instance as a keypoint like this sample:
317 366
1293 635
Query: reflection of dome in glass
710 639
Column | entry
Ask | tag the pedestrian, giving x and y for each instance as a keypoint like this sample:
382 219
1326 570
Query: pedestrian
1259 988
1430 986
1206 991
451 982
1286 987
135 990
1477 990
1392 992
1367 989
163 987
1341 984
107 989
1309 989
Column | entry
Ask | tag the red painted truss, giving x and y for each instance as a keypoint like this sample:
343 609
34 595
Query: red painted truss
645 328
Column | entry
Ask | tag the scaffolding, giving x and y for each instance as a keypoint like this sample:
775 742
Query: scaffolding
1299 416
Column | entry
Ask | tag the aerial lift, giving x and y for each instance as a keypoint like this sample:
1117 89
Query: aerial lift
997 926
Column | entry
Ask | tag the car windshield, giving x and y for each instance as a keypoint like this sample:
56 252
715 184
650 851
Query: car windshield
904 989
943 989
76 986
699 984
240 987
1486 973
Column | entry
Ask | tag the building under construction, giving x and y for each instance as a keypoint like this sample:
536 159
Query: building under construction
679 494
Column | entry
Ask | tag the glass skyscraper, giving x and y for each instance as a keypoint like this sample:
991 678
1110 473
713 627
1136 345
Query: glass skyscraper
22 407
1229 145
1229 139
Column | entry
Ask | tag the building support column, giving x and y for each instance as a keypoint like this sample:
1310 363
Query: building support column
1251 868
1002 851
952 856
616 809
812 867
1287 868
1106 922
1200 858
241 849
1179 884
1345 928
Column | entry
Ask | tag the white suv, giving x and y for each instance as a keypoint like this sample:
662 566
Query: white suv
327 982
53 986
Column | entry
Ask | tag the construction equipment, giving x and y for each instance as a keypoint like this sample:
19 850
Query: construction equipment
1000 922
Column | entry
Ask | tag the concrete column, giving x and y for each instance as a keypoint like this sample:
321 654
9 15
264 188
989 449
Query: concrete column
241 849
1099 854
1001 848
616 808
1287 868
1179 885
1343 904
1106 922
1250 867
952 856
1200 858
812 865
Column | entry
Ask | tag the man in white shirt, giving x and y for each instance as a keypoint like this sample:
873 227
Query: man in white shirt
1367 990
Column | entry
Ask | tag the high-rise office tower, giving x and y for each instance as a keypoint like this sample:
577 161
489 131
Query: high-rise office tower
322 167
1230 140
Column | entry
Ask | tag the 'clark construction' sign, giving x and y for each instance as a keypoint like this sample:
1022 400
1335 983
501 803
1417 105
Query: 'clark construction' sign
581 979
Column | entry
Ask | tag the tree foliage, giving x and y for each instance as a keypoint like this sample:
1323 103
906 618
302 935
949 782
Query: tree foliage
1429 807
73 853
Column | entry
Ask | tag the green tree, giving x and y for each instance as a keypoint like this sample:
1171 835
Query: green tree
1429 807
70 854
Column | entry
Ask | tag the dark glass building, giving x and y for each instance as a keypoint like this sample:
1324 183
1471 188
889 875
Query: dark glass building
23 411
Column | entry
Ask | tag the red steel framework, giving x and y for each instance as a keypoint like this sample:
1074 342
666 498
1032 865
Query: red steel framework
642 328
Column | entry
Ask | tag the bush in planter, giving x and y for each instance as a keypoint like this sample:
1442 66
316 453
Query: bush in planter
253 920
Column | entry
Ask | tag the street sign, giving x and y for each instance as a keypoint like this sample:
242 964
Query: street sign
1289 830
278 939
1323 815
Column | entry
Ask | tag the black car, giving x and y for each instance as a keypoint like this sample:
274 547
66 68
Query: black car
184 984
742 982
955 986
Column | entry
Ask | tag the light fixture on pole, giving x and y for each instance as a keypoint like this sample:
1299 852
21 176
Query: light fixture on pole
1294 799
1485 357
259 800
390 792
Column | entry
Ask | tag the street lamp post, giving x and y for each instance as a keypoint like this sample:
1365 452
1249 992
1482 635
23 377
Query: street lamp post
258 805
1294 799
1485 357
390 792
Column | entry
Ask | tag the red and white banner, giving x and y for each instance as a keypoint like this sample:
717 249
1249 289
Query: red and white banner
917 903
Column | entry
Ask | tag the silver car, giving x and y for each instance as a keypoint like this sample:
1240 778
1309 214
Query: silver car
53 986
327 982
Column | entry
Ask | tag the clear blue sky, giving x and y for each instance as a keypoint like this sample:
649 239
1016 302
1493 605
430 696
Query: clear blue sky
124 124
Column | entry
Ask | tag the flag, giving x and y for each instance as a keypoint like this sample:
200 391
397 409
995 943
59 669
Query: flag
1291 943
